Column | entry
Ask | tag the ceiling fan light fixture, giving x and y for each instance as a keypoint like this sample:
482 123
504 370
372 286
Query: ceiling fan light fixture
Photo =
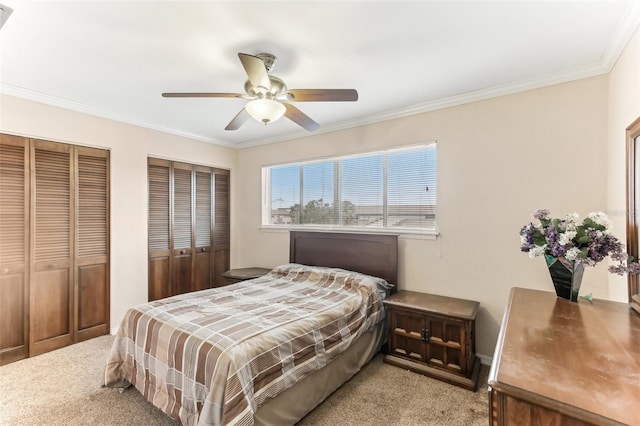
265 111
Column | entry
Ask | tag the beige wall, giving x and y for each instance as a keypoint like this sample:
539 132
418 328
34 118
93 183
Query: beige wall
624 108
498 161
130 146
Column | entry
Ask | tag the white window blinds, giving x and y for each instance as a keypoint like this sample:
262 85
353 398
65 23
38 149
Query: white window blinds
392 189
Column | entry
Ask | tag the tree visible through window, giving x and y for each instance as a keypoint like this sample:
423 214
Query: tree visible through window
383 189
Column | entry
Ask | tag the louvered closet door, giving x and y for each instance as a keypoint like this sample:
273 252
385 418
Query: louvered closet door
14 268
159 172
92 247
182 276
222 226
52 211
203 265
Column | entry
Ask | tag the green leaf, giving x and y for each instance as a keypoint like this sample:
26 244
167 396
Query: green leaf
539 239
583 240
591 224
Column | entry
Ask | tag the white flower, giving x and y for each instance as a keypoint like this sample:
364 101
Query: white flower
566 237
570 222
600 218
572 253
572 218
537 251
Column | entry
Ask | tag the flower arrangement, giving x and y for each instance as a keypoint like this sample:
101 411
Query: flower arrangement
588 241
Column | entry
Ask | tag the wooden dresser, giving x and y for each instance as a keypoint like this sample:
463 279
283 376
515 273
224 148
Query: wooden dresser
434 335
564 363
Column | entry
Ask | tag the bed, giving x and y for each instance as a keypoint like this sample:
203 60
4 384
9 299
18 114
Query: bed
264 351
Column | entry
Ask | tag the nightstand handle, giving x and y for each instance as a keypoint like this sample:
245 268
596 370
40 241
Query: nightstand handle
425 334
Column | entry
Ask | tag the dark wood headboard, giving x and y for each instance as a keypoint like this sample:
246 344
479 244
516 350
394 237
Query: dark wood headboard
371 254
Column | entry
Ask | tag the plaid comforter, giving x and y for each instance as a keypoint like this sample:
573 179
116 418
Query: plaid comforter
214 356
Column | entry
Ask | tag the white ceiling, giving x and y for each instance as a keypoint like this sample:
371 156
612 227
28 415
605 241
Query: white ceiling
115 58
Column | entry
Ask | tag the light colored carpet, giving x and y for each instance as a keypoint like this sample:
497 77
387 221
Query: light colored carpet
63 388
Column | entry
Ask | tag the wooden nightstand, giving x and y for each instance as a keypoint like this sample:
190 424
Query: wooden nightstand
434 335
242 274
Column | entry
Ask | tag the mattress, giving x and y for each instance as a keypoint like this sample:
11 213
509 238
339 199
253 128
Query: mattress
216 356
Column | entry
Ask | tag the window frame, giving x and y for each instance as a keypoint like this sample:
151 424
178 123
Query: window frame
413 233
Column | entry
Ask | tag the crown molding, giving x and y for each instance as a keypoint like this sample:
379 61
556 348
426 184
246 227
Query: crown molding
464 98
42 98
461 99
628 25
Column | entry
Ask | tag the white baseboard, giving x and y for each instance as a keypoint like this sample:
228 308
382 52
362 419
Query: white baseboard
484 359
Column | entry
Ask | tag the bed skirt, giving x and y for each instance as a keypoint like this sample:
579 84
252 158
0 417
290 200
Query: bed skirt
296 402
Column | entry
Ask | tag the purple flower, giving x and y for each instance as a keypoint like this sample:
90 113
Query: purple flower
541 214
618 269
553 244
587 241
526 237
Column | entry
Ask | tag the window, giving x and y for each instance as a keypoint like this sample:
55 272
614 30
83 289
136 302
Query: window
392 189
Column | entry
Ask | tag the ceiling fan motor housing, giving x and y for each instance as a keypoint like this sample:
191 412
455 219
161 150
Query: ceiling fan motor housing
268 59
277 86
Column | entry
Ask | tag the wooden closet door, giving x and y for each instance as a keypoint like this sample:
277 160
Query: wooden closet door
203 265
92 244
182 250
159 228
14 267
51 300
222 226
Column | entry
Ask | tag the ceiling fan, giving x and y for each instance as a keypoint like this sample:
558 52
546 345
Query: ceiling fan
269 97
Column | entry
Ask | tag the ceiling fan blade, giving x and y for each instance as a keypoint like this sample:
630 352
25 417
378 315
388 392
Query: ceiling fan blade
238 120
203 95
300 118
322 95
256 71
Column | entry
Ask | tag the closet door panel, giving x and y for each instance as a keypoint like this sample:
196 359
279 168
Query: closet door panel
92 259
159 229
203 228
203 270
93 292
181 279
188 227
14 231
182 274
52 299
52 247
159 278
222 226
13 306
